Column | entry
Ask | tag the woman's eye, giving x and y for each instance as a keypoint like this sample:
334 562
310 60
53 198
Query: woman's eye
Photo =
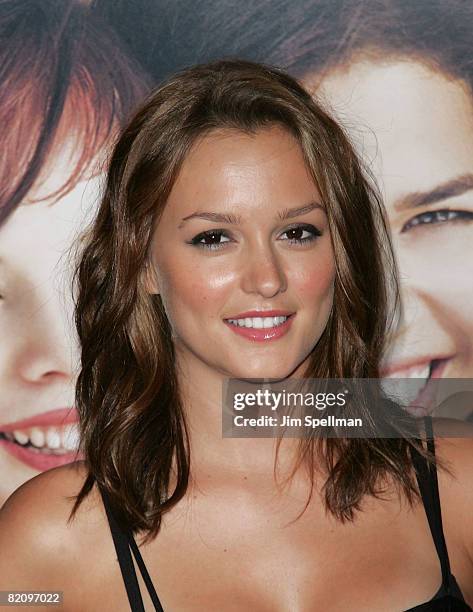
435 217
210 239
296 234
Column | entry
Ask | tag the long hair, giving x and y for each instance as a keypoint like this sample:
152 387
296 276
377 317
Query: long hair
64 74
133 429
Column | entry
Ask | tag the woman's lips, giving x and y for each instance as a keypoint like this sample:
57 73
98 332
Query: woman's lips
262 334
425 400
58 416
415 368
47 440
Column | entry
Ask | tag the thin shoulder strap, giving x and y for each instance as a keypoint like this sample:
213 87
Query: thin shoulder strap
124 559
146 577
428 486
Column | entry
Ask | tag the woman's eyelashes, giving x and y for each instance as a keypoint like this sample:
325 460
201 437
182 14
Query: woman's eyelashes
298 235
435 217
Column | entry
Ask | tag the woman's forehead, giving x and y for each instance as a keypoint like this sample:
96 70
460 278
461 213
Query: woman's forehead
242 167
66 169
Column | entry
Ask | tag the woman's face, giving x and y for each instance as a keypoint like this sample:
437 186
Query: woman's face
415 127
232 240
38 352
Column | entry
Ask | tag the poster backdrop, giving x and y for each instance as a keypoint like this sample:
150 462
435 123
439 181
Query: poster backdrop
397 74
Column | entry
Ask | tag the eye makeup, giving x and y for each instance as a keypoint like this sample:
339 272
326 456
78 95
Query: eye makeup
313 232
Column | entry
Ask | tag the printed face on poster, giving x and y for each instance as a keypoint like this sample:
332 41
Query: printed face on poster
403 94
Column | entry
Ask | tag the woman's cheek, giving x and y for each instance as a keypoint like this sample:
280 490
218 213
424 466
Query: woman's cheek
211 291
191 296
315 284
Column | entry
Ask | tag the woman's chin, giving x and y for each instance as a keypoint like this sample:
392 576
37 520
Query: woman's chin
263 374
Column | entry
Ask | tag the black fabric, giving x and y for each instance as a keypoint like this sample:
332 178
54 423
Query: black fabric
447 599
127 568
146 576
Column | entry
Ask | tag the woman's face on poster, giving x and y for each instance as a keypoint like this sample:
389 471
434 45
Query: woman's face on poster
415 128
39 353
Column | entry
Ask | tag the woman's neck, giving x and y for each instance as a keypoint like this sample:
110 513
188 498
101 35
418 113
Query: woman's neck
201 395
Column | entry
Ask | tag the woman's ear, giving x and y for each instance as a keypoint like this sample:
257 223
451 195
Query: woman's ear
150 280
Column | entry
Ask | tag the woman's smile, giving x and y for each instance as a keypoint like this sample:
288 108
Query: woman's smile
246 244
261 328
421 155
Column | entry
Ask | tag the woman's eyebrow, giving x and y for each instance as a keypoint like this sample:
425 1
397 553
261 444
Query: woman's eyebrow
449 189
289 213
235 219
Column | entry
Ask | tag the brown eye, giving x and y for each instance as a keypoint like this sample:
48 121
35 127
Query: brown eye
211 239
296 234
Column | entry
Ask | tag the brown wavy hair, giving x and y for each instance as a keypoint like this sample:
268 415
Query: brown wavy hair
133 430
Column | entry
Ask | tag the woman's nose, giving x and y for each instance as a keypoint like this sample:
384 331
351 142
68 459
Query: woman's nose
264 272
46 347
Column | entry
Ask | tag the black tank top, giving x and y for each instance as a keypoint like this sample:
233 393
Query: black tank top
448 598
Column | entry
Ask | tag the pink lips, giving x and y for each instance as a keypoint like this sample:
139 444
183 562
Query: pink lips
424 403
261 313
59 416
268 333
403 366
35 458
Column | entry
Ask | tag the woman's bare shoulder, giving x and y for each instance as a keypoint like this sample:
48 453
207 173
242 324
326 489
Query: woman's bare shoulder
37 538
48 498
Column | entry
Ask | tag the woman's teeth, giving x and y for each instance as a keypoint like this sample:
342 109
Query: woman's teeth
52 440
419 377
414 372
258 322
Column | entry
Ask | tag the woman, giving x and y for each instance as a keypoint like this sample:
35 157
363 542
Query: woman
230 194
399 76
67 86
